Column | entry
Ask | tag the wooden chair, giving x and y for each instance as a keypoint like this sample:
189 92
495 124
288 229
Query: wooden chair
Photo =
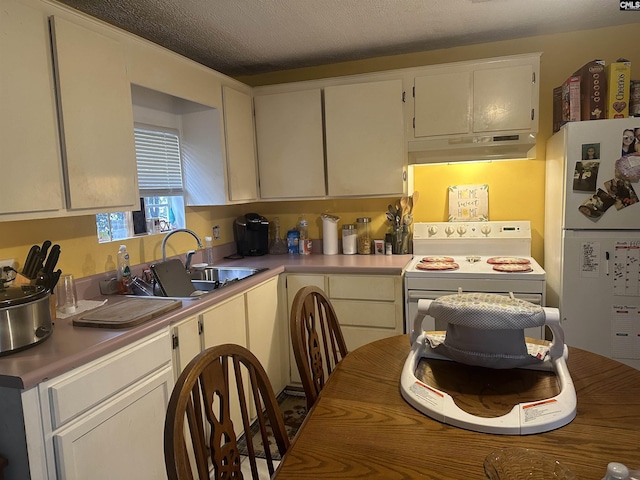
203 394
318 344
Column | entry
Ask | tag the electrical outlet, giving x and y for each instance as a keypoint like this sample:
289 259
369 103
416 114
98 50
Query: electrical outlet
216 232
6 263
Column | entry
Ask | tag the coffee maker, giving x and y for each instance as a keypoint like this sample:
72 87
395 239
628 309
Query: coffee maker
251 232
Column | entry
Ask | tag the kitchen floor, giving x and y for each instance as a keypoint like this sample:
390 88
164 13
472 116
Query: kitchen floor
263 470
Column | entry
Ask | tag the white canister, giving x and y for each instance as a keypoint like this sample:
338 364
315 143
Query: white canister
330 234
349 239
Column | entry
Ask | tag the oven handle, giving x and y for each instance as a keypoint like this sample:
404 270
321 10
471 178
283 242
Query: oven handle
415 295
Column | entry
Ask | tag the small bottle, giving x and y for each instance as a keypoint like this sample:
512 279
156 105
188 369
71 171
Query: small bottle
616 471
304 245
123 272
208 250
278 246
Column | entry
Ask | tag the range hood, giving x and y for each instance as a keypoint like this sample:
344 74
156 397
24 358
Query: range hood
470 148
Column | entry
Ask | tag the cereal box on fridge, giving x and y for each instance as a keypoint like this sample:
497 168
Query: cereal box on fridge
571 99
619 82
593 90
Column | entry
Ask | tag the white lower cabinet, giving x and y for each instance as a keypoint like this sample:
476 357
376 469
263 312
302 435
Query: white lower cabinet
249 319
267 334
105 420
124 438
368 307
293 284
225 323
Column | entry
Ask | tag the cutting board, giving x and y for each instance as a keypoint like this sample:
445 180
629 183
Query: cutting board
172 278
126 313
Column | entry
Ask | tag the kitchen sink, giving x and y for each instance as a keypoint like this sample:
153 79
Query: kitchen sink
204 281
224 275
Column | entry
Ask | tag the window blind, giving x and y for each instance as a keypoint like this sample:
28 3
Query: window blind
158 159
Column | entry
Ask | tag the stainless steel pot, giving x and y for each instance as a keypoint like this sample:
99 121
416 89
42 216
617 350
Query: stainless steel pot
25 317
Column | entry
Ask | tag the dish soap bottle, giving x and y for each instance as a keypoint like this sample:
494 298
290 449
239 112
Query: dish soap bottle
123 273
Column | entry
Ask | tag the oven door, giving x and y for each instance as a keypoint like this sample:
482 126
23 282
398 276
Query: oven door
429 323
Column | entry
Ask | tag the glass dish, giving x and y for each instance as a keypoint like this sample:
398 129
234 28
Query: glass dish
522 463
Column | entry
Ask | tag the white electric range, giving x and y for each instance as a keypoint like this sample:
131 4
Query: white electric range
470 245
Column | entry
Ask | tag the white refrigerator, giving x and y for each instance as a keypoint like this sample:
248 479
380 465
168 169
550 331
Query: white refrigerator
592 235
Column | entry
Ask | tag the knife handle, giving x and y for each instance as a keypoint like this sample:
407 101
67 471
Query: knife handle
30 264
52 259
43 253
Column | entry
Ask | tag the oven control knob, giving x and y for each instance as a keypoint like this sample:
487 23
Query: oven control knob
486 230
432 230
449 230
462 230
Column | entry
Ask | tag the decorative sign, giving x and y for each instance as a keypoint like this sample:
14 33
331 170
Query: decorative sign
469 203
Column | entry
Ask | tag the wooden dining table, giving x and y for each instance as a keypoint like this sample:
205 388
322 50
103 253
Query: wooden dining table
361 427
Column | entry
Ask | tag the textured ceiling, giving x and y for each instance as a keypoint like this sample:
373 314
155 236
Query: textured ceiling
246 37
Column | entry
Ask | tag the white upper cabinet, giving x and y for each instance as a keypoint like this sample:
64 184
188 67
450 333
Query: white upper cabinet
503 98
290 144
30 153
241 147
96 118
442 103
484 97
365 139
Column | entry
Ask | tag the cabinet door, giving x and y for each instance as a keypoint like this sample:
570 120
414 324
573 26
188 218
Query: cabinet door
188 343
267 334
442 104
366 152
226 323
290 144
31 165
503 99
122 439
96 117
241 150
295 283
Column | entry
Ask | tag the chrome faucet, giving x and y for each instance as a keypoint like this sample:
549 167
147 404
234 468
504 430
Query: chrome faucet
186 230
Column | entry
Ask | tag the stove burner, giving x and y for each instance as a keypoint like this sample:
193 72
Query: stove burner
436 259
513 267
437 266
508 260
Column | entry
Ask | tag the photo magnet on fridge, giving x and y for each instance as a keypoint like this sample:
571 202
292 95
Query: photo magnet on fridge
585 176
595 206
622 192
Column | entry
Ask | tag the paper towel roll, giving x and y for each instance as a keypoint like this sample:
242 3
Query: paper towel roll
330 235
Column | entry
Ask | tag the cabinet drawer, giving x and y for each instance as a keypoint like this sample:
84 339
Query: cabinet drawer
381 288
366 314
82 388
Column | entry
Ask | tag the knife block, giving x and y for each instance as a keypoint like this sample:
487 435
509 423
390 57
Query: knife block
21 280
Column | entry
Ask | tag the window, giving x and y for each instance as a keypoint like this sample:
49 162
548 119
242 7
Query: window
160 184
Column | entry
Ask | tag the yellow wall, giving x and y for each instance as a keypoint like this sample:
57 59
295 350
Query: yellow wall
516 188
